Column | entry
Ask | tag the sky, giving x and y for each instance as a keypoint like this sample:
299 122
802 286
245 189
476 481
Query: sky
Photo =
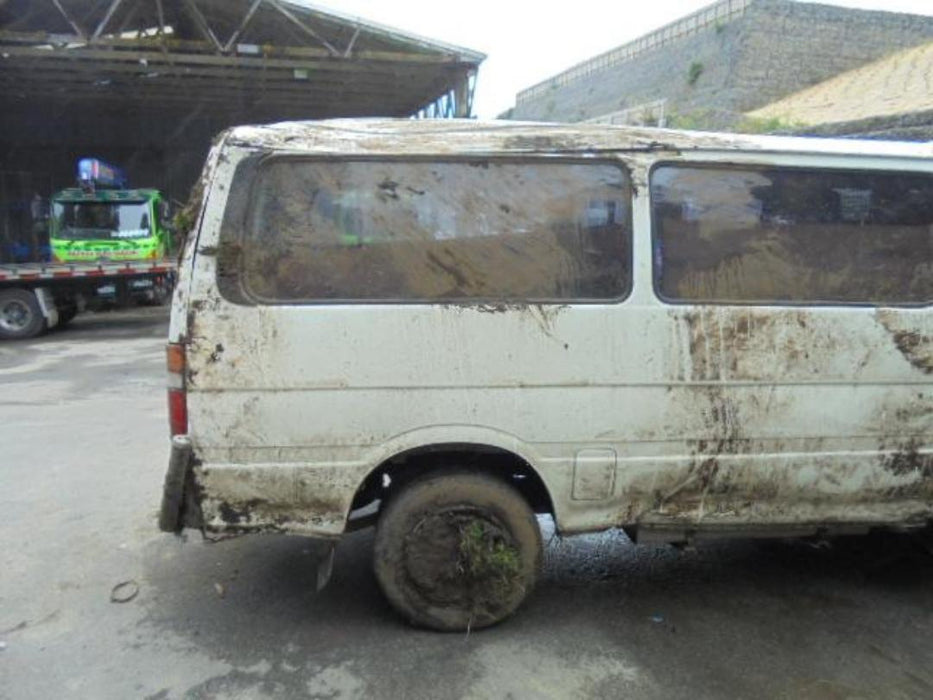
526 42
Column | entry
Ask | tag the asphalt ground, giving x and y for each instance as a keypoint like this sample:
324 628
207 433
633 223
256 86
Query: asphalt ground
83 449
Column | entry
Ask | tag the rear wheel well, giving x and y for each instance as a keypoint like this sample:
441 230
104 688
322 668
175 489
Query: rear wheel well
392 475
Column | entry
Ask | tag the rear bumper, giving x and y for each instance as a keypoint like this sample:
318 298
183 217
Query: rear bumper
180 506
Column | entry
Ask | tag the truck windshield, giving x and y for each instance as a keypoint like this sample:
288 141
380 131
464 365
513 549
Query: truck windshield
101 220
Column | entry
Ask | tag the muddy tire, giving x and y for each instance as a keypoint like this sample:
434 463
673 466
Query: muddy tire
457 551
20 314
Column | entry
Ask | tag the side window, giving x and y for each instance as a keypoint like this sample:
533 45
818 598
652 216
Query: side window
427 231
741 234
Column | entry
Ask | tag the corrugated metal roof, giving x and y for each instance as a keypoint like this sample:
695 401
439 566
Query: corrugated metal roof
267 58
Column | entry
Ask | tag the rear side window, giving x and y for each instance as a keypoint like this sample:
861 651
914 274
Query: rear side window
785 235
427 231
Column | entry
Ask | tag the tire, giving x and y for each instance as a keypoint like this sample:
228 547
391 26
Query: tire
20 315
457 551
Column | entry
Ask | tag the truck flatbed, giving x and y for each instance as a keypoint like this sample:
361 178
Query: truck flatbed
35 296
25 272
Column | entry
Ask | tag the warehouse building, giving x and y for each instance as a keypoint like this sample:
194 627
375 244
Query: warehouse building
147 84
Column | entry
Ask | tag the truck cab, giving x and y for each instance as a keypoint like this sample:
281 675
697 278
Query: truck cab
103 220
108 225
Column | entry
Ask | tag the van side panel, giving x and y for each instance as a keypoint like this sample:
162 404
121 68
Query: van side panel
723 425
792 416
633 413
201 192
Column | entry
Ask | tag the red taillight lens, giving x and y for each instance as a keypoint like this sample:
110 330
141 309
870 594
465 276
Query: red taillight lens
178 411
177 396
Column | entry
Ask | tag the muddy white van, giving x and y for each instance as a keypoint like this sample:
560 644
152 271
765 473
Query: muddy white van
449 327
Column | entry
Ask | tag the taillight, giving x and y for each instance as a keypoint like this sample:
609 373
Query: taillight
177 396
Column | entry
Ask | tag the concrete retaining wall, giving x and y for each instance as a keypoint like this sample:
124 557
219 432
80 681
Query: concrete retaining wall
772 49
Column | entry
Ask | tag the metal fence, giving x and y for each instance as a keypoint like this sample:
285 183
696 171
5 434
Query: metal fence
652 113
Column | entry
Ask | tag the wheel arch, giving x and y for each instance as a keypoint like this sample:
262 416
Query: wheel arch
393 472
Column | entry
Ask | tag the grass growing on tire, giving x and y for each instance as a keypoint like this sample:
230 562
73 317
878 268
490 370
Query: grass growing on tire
487 560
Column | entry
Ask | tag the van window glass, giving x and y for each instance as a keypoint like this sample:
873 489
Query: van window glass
437 231
787 235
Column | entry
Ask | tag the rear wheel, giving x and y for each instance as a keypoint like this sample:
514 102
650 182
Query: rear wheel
457 551
20 314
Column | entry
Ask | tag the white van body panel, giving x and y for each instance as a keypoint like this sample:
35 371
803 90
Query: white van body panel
637 413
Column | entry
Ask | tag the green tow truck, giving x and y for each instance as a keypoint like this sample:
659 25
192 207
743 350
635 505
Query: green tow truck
110 244
102 220
108 225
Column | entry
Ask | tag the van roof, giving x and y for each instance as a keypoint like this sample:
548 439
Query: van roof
464 136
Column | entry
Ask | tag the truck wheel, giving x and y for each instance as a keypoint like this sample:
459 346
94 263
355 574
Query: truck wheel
457 551
20 314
